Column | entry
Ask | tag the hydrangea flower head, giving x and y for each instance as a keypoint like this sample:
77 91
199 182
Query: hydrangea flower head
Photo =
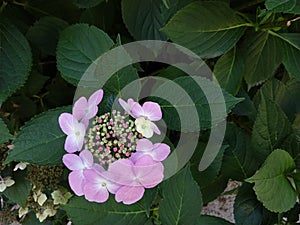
115 156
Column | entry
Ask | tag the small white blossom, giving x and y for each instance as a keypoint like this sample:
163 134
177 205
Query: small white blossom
39 197
5 182
21 166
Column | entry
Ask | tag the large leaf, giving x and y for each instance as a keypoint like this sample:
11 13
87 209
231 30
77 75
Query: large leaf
40 140
144 18
238 161
87 3
19 192
181 103
81 211
272 186
208 176
208 40
45 32
180 192
247 209
270 130
78 47
212 220
290 52
261 56
287 6
15 58
4 133
229 71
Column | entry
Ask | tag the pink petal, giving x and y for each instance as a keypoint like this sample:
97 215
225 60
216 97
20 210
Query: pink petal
66 123
137 110
95 189
160 151
121 173
80 108
72 162
76 181
96 98
124 105
149 172
73 143
93 193
144 145
87 158
152 111
155 128
129 195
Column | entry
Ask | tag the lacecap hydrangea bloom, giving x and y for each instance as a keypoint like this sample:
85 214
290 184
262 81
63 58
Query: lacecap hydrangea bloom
111 153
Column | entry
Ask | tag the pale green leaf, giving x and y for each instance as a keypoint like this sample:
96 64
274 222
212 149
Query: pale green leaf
272 186
80 211
40 141
4 133
207 39
261 57
180 192
78 47
15 59
229 71
45 32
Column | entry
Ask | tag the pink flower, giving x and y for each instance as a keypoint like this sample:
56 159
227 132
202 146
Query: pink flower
134 177
150 111
127 105
75 131
97 188
84 109
78 164
158 151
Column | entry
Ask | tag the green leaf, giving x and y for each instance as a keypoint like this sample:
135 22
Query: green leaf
287 6
144 19
212 220
207 39
78 47
290 52
238 161
272 186
87 3
45 32
270 129
247 209
229 71
15 58
148 199
206 177
180 192
19 192
81 211
40 140
4 133
261 57
190 86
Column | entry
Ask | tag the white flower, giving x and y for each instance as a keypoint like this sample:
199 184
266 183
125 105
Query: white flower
23 211
146 127
39 197
21 166
5 182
